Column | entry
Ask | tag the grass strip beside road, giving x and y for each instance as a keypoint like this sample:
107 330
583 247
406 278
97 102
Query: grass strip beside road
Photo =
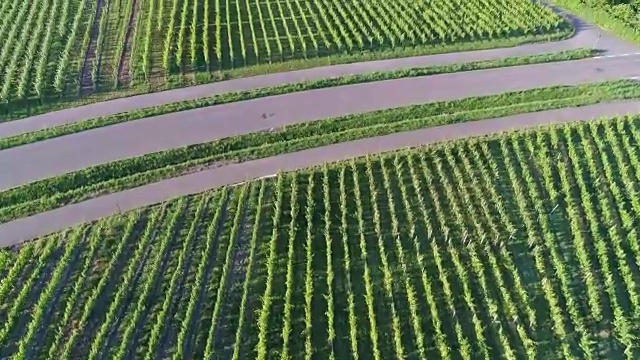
617 20
58 131
124 174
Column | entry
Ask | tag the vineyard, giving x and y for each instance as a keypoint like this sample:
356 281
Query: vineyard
54 48
518 246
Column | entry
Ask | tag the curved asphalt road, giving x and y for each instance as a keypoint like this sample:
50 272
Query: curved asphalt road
53 157
77 151
17 231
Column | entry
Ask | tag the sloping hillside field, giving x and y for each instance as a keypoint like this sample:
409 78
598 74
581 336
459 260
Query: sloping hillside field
69 47
517 246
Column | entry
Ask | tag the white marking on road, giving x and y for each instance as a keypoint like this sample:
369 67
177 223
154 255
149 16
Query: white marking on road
616 55
259 178
267 176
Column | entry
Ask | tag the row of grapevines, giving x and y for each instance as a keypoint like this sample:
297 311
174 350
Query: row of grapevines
308 282
73 299
45 49
395 231
620 321
286 321
205 34
136 261
353 323
230 30
9 281
28 36
245 287
145 59
151 278
250 20
440 338
194 33
168 39
369 293
194 296
486 175
575 222
181 34
17 305
267 299
35 43
137 16
615 237
60 78
331 331
43 304
83 53
222 286
523 202
265 39
463 341
123 30
387 275
159 322
509 304
102 27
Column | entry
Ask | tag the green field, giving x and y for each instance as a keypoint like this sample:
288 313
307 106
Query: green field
67 48
515 246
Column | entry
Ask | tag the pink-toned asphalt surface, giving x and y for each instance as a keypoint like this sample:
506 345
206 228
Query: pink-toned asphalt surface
31 227
61 155
77 151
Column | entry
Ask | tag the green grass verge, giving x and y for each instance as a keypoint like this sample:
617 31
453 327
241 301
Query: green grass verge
50 193
576 54
603 17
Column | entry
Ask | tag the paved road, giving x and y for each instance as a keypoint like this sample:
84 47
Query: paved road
586 36
27 228
77 151
61 155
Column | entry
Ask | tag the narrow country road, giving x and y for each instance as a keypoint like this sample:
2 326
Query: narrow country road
17 231
57 156
77 151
